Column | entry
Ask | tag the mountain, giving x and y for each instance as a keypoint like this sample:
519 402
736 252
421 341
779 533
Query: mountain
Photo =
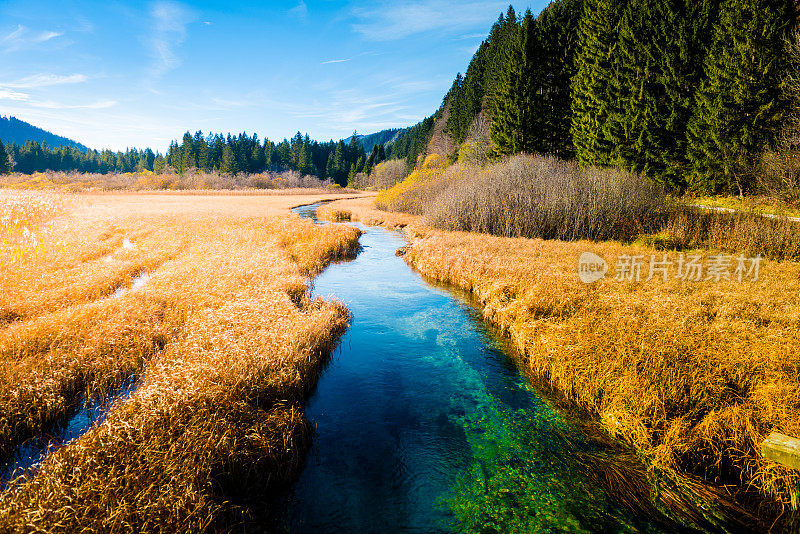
384 137
13 130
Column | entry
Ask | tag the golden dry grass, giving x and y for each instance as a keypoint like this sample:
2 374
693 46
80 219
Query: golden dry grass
225 334
694 375
363 210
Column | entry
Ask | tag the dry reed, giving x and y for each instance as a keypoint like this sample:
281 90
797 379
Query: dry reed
217 423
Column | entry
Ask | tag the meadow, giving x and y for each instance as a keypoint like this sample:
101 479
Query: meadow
223 341
693 375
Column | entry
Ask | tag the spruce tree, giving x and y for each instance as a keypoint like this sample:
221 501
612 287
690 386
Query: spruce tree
556 37
508 102
591 99
740 106
655 73
5 163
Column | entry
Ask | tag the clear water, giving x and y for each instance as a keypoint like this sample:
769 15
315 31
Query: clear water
423 424
88 413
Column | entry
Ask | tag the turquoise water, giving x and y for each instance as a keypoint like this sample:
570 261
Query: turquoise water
423 424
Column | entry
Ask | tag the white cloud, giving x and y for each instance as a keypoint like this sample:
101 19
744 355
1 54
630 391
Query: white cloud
389 21
23 37
49 104
7 94
300 10
336 61
44 80
16 34
169 21
46 36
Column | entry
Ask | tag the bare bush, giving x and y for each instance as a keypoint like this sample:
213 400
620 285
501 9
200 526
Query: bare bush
388 173
779 172
527 196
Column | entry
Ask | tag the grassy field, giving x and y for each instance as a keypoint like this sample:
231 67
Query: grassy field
693 375
759 204
223 335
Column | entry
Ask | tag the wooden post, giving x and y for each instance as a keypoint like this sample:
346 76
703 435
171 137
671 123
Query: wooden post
782 449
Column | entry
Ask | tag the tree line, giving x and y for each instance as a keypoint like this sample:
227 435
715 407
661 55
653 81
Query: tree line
335 160
688 92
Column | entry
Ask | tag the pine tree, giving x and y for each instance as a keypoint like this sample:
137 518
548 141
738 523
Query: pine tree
5 162
508 102
228 165
590 86
556 38
739 106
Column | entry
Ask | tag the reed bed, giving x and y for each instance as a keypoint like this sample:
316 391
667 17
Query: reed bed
217 423
363 210
745 232
192 179
693 375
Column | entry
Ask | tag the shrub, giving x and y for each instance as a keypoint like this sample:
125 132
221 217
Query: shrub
528 196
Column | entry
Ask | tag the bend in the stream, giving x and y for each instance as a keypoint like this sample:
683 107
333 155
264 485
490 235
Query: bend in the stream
424 424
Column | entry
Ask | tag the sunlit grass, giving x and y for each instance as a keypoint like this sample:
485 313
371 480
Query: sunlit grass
227 339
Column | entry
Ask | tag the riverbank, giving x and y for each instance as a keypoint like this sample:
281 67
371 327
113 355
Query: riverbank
223 334
694 375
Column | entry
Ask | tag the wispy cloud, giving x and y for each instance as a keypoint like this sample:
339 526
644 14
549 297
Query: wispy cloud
169 22
336 61
44 80
8 94
16 34
46 36
388 21
23 37
300 11
100 104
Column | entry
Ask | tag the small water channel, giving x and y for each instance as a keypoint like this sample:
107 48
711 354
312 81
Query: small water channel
87 412
423 423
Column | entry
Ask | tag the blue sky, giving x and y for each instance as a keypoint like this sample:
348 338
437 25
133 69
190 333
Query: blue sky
118 74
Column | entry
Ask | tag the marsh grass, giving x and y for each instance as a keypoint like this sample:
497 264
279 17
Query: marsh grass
230 344
744 232
149 181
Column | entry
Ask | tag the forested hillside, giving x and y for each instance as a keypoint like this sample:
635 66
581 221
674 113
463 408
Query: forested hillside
689 92
13 130
384 137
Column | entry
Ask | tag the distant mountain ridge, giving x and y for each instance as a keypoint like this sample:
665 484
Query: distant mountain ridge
13 130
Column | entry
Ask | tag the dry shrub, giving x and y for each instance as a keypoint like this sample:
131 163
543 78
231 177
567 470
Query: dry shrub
383 176
533 197
544 197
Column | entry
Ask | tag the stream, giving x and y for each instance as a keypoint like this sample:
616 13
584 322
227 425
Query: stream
424 424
